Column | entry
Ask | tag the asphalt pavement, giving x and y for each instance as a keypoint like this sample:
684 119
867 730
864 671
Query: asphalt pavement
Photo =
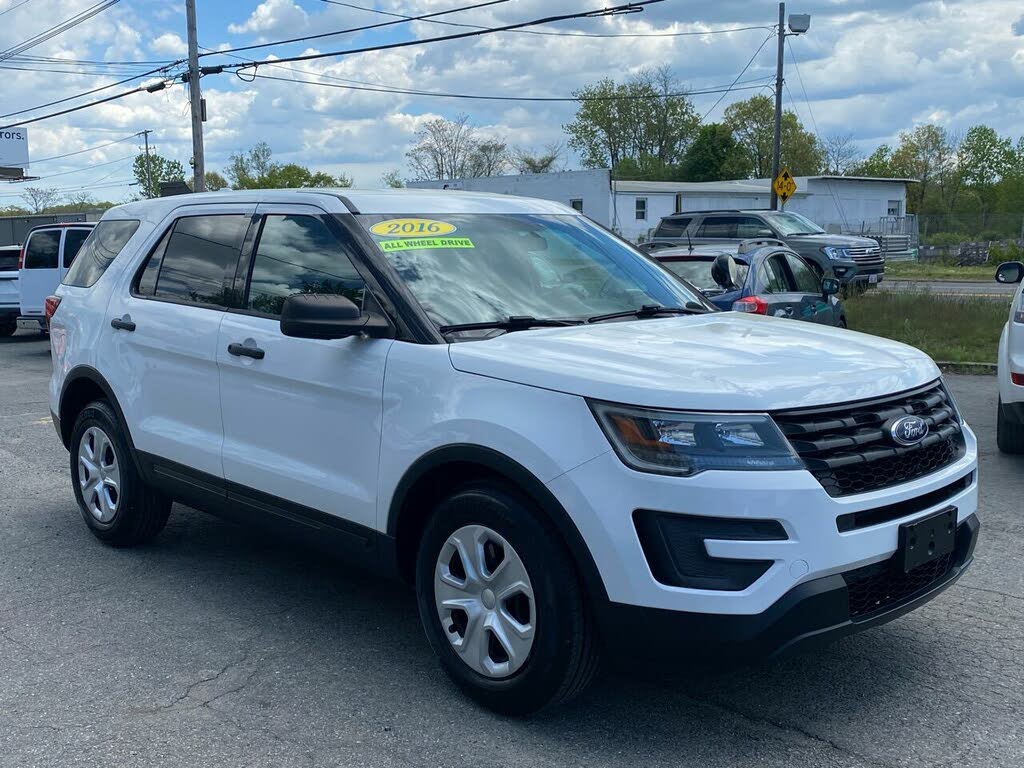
217 647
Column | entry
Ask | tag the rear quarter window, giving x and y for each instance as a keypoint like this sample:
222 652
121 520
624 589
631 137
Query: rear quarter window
674 227
99 250
42 249
9 259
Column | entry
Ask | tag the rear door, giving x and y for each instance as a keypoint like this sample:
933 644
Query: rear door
717 228
161 331
40 274
301 416
814 305
775 285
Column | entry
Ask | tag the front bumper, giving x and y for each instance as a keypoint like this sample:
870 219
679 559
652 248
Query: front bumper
848 272
809 615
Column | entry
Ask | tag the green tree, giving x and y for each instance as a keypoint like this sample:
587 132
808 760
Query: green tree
214 181
256 169
752 122
149 172
715 155
392 179
539 161
642 126
929 154
879 163
985 158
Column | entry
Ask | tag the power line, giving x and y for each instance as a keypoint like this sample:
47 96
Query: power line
490 97
8 10
632 7
57 29
567 33
88 168
119 183
403 20
742 71
151 89
792 56
87 149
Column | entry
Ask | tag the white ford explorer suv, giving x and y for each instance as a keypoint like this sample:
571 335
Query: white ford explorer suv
559 444
1010 424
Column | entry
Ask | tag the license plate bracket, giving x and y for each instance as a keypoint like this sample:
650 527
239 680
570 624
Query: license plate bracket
873 279
927 539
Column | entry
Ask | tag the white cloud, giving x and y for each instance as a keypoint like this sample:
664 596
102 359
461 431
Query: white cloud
169 44
273 17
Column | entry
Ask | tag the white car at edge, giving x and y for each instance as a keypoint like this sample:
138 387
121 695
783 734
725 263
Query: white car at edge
558 444
1010 426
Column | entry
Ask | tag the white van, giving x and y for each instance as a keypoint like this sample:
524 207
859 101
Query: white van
10 305
49 251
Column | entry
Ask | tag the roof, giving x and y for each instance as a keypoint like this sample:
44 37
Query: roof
369 201
739 186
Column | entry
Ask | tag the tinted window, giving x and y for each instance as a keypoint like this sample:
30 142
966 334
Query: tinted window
672 227
73 240
9 259
98 251
806 280
298 254
193 260
749 226
42 249
774 275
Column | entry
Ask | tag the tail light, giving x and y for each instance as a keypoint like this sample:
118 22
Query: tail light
1018 379
753 304
52 302
21 258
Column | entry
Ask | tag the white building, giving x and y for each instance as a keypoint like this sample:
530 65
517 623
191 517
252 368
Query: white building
634 208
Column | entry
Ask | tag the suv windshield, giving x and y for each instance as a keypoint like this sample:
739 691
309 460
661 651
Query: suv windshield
476 267
793 224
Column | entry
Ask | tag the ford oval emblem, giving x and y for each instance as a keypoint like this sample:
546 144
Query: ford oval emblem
908 430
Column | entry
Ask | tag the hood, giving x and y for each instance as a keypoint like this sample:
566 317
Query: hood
836 241
723 361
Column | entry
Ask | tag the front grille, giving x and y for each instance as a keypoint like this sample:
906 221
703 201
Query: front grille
883 585
848 449
865 253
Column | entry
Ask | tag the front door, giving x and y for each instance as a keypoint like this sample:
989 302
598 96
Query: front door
40 273
776 287
814 305
161 334
302 417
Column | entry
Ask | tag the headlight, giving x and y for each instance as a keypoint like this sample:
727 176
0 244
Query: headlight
675 443
835 253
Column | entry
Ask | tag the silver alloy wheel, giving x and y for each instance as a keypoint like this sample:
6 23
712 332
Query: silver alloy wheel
485 601
98 474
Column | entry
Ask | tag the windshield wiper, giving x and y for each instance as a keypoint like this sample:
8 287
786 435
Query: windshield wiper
652 310
513 323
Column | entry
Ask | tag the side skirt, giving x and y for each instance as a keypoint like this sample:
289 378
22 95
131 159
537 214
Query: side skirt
356 544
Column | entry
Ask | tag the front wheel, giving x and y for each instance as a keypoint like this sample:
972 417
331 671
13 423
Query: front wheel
117 505
1009 431
501 603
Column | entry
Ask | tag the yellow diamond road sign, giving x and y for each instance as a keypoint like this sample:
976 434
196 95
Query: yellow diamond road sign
784 185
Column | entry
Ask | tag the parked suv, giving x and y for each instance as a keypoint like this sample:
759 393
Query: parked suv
1010 424
855 261
545 432
10 302
48 254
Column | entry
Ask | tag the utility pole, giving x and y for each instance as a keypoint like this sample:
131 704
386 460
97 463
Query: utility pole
196 99
777 148
149 168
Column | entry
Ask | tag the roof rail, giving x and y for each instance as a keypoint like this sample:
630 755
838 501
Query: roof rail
753 243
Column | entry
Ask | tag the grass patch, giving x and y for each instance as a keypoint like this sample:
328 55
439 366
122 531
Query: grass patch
915 270
948 328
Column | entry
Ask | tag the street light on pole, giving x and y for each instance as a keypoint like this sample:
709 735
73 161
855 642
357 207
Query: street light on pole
799 23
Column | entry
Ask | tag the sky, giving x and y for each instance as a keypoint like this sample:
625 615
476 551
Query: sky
867 68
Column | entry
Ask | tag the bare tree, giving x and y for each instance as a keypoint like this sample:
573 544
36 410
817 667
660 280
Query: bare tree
489 157
39 199
80 198
841 154
539 161
443 149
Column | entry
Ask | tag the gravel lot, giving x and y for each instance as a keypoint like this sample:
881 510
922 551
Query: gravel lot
214 647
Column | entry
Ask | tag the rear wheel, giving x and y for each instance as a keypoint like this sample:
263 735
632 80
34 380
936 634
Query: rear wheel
1009 431
7 329
501 603
115 502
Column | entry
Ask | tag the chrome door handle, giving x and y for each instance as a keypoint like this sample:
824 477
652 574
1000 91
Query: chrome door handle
241 350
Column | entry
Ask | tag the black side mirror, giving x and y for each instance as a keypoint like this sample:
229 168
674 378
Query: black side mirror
724 271
330 316
1010 272
829 287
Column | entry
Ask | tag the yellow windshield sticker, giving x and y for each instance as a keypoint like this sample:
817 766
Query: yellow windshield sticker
412 228
417 243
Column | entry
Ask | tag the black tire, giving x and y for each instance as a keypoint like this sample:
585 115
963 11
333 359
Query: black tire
842 323
7 329
1009 431
564 655
141 512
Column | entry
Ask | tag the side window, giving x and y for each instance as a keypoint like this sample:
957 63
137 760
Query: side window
73 240
718 227
577 204
806 280
195 260
298 254
774 276
641 209
748 227
99 250
42 249
673 227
